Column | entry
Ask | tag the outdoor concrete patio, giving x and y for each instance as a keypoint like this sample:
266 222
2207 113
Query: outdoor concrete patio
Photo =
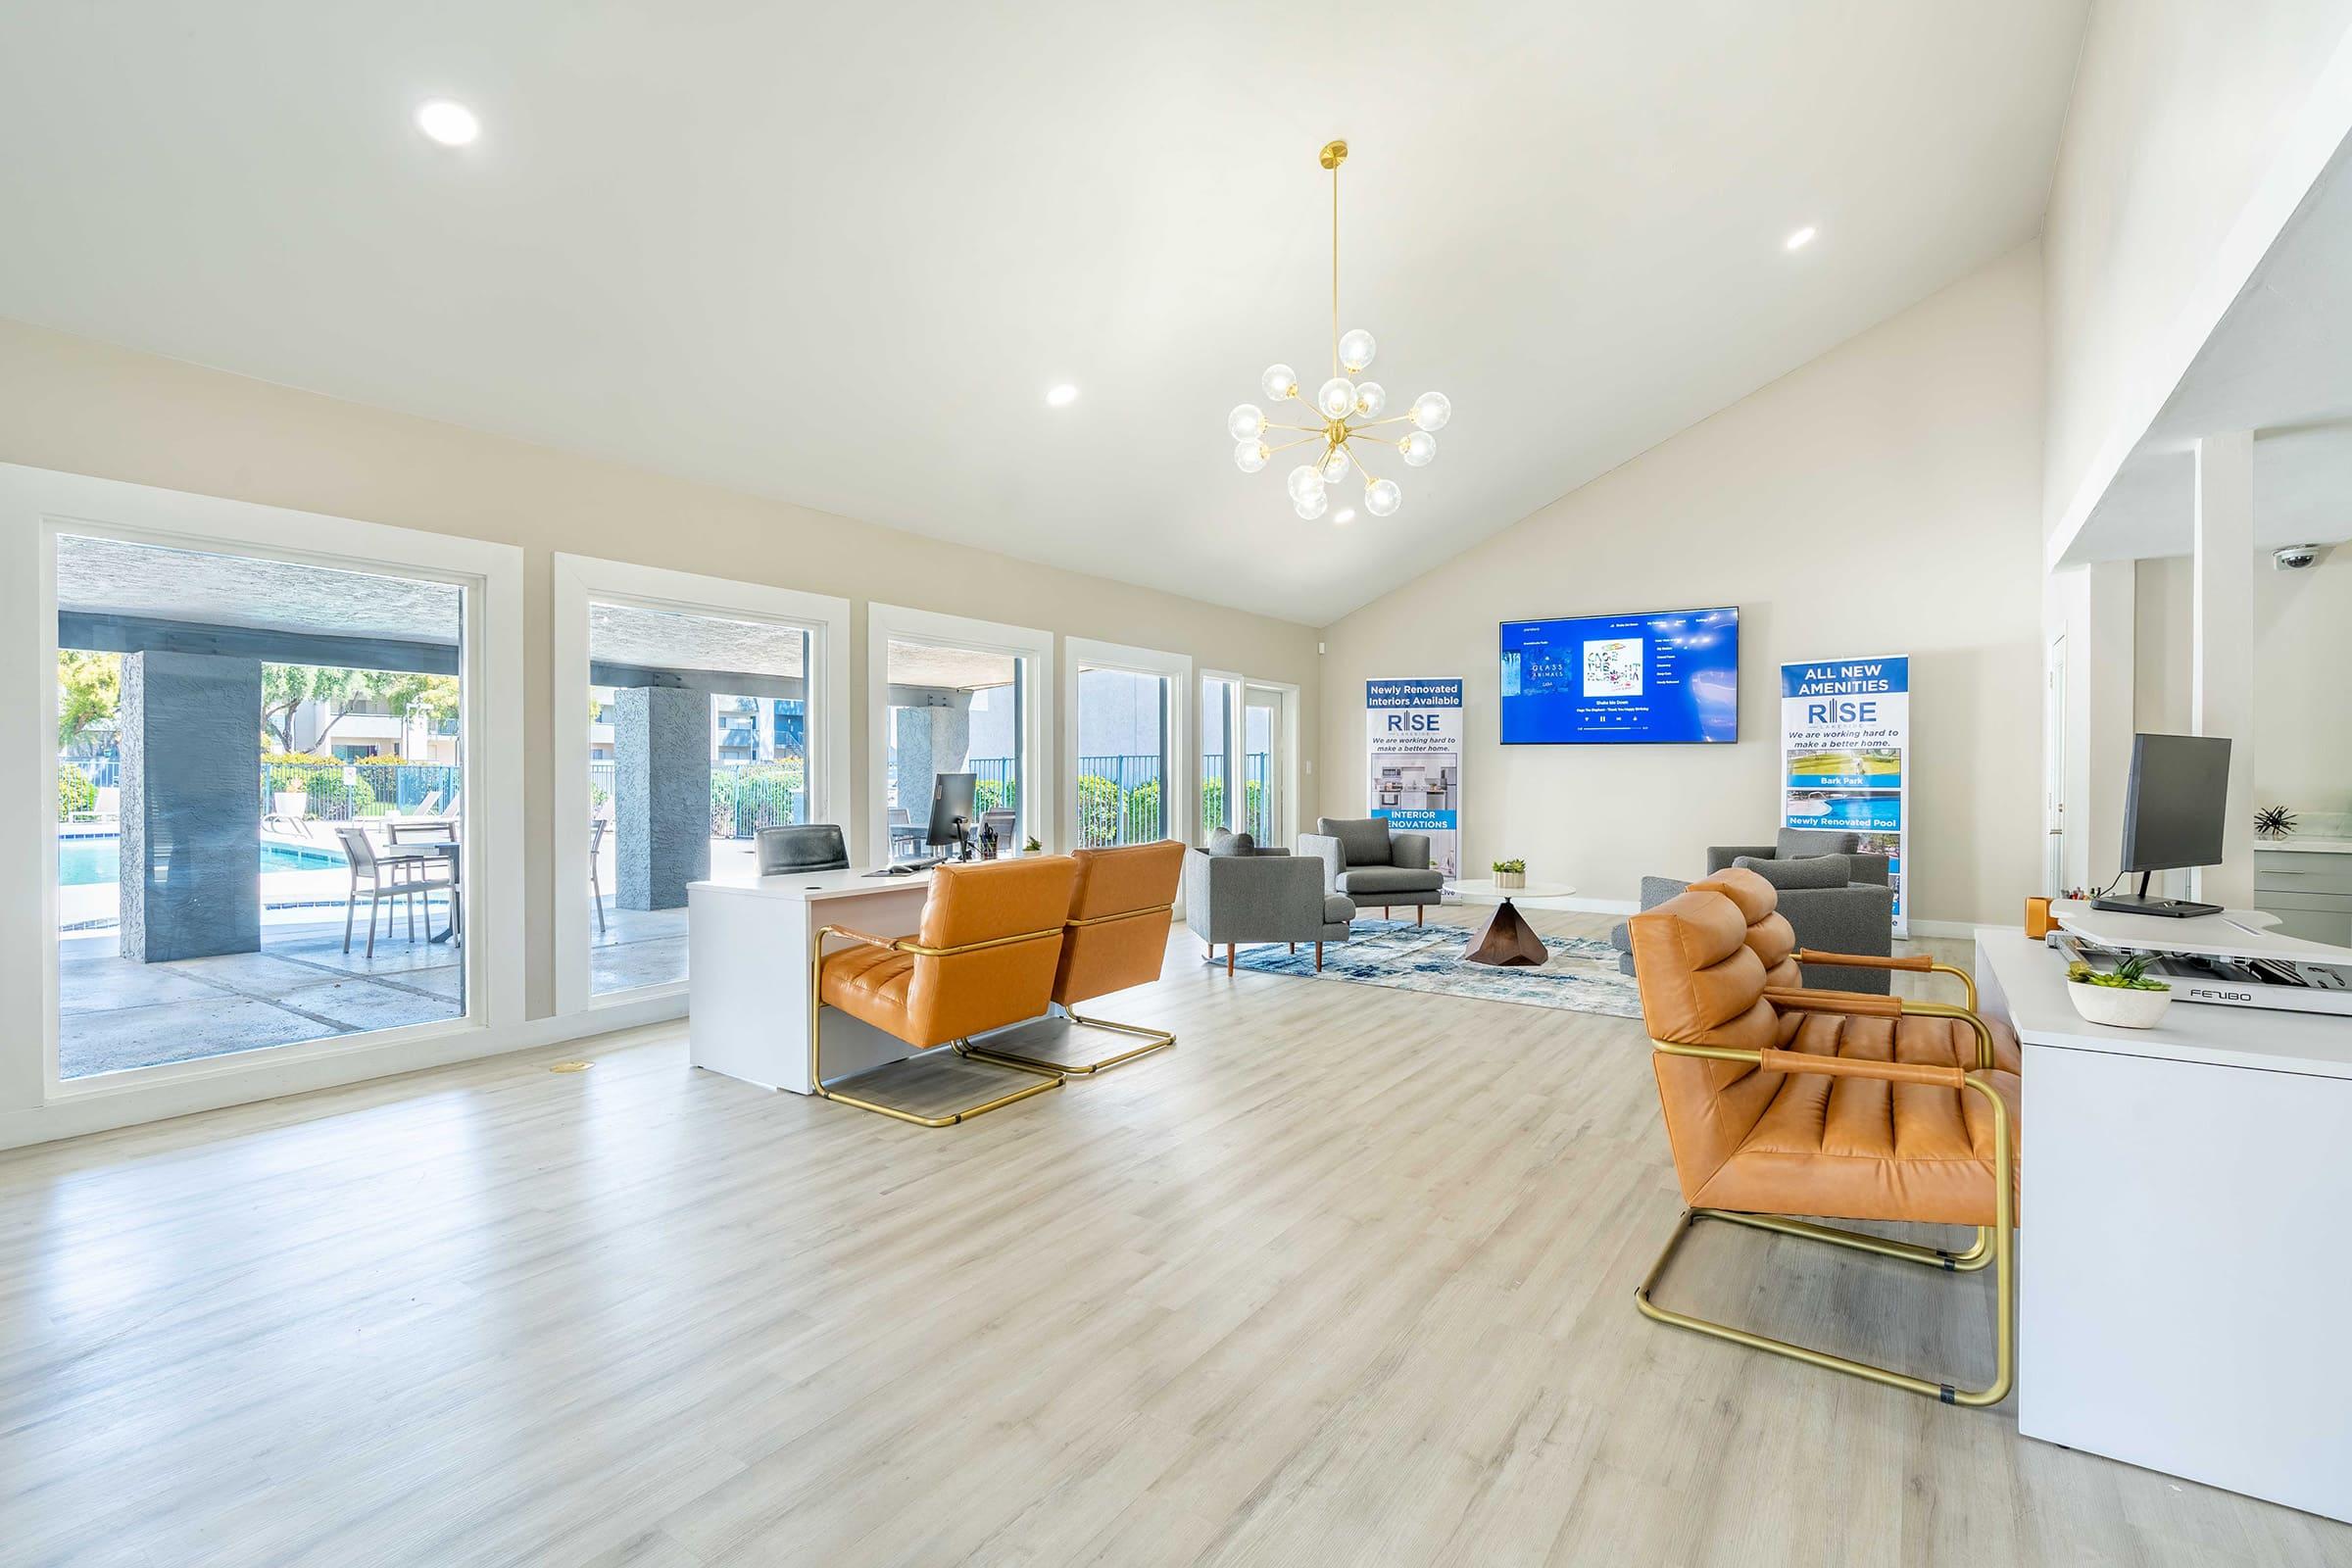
637 947
117 1012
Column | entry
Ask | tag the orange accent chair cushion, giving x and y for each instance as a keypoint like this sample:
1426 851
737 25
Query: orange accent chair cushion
929 999
1758 1141
1128 891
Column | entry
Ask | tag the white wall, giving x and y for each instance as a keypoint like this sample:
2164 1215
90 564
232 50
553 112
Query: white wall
2195 127
2302 647
1879 500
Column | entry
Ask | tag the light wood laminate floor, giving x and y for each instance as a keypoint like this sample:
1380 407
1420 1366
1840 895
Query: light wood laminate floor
1344 1277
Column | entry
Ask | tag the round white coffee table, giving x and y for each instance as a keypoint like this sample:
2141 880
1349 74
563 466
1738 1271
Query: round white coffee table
1508 939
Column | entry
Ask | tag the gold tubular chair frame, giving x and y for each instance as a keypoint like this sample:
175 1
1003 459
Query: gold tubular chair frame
1047 1079
1153 1039
1995 1244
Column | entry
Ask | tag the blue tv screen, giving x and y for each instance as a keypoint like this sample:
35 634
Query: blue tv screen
1665 679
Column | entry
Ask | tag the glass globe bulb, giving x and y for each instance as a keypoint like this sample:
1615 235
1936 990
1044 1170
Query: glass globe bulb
1334 466
1312 506
1370 398
1250 456
1420 449
1305 483
1336 397
1382 497
1355 350
1431 411
1245 422
1280 382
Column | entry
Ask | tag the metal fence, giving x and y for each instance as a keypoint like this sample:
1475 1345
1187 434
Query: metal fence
1257 803
745 796
1120 801
344 792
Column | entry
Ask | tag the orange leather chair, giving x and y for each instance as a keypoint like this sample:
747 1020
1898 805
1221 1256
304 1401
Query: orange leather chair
1780 1101
984 957
1117 936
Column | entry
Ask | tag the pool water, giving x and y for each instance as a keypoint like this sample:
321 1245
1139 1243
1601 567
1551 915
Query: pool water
95 857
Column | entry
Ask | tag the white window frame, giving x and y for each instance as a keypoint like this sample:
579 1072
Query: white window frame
583 581
1182 759
888 623
37 505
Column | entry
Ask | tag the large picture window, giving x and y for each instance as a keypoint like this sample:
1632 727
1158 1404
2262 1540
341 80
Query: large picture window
1128 718
708 710
965 701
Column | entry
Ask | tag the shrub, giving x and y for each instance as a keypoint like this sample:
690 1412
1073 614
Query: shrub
762 794
1142 810
76 793
1097 810
993 794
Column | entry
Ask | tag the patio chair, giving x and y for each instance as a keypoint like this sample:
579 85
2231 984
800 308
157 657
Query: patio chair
385 880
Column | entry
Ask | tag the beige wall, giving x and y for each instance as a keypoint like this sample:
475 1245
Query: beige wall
71 404
2189 118
1879 500
2302 648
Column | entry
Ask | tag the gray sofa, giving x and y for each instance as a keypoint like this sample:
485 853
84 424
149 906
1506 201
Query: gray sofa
1800 843
1837 903
1235 892
1362 860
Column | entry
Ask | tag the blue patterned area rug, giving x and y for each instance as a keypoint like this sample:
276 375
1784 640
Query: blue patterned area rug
1581 976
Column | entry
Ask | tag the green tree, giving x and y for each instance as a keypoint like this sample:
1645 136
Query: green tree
89 689
286 687
414 696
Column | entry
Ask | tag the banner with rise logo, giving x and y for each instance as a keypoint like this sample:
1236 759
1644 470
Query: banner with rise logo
1845 738
1413 744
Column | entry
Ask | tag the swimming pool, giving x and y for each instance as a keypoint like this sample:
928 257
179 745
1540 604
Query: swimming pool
88 859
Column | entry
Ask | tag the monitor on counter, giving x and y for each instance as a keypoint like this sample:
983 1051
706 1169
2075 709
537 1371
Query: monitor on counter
2174 807
1661 677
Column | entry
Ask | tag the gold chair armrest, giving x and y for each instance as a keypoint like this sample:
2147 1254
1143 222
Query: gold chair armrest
851 934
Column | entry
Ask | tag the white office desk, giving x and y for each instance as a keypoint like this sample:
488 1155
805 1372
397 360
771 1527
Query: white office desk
746 970
2185 1234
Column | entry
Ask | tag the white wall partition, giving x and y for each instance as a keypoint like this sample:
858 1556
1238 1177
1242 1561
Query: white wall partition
889 623
584 580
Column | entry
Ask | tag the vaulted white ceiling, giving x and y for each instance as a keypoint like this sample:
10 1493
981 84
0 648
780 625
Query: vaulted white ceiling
837 254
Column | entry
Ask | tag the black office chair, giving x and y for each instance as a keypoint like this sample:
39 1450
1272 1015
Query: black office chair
803 847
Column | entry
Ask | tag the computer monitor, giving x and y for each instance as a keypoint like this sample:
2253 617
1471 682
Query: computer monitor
952 809
2174 812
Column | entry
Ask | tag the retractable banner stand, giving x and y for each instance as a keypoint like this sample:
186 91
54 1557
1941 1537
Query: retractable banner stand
1414 745
1845 739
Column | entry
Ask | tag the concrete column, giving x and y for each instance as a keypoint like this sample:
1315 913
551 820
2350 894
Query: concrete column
2222 648
661 794
192 874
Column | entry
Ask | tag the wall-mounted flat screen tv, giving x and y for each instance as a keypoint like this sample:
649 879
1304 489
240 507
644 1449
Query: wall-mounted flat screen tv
1669 677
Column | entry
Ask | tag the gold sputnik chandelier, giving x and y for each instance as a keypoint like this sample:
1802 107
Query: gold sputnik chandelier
1347 411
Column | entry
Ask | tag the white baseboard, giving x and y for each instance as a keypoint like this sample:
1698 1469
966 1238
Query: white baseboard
244 1084
1945 928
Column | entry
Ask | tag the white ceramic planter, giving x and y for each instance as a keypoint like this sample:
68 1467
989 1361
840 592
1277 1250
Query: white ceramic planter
1506 881
2118 1007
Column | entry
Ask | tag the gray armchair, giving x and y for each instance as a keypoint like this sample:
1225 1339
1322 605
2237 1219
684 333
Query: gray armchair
1235 892
1362 860
1829 906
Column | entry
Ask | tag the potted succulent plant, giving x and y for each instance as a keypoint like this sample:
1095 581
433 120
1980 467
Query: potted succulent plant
2124 998
1510 874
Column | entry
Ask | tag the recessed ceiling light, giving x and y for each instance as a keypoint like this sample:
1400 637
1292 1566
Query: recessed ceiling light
1062 396
1801 238
451 124
1343 515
